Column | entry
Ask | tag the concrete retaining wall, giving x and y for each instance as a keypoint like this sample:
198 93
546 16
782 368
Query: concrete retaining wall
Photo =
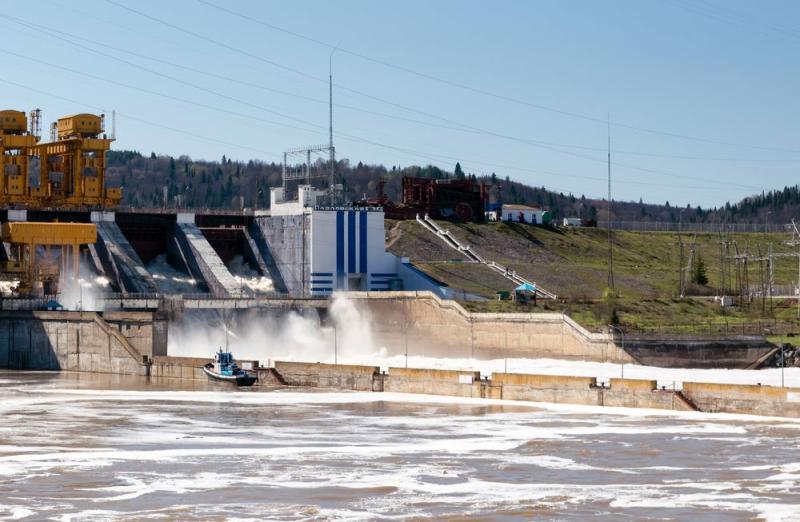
179 367
698 352
77 341
146 331
347 377
442 328
287 239
730 398
434 382
629 393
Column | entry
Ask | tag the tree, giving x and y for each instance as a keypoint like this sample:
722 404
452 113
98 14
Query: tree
459 172
699 272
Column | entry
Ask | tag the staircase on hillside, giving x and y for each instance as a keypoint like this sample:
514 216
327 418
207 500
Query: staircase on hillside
445 235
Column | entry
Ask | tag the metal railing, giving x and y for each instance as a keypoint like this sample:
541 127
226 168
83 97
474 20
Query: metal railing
190 210
674 226
473 256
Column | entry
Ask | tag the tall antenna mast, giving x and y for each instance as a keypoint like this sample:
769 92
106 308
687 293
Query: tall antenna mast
332 151
610 226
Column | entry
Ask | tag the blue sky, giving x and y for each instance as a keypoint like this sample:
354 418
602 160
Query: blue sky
702 94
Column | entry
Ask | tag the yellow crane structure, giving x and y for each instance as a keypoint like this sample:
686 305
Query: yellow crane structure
39 273
16 152
73 164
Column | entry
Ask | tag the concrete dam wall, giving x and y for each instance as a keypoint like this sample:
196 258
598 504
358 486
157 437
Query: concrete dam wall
438 327
117 342
558 389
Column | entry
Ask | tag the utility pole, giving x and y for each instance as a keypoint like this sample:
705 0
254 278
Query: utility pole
681 281
795 241
610 226
721 265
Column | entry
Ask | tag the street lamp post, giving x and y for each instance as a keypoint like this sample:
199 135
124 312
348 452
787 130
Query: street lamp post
622 336
406 339
335 346
80 295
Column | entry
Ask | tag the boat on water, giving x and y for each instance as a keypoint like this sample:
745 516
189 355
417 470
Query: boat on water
225 369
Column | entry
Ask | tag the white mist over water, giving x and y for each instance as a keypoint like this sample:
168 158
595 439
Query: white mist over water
290 337
7 287
295 337
248 278
170 280
84 292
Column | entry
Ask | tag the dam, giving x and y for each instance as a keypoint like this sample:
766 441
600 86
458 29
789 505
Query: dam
96 287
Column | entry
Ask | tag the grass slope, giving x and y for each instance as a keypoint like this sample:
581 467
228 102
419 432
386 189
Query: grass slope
573 264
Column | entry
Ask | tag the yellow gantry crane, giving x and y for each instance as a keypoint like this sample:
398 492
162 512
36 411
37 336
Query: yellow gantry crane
42 274
16 152
70 169
68 172
73 164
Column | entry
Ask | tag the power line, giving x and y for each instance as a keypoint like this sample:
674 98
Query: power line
349 137
733 17
154 93
134 118
160 74
228 78
465 128
485 92
245 83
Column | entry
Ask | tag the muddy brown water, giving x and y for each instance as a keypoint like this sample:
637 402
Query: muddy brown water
95 447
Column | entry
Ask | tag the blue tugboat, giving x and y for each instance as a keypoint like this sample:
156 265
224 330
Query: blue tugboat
224 368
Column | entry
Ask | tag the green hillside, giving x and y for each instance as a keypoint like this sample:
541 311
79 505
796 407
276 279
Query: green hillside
573 264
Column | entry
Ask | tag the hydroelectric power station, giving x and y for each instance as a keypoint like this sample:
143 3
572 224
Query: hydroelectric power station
88 285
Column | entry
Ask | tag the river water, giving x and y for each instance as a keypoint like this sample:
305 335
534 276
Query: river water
94 447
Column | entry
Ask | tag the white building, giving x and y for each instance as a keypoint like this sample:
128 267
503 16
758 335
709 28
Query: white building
306 199
572 222
525 214
338 248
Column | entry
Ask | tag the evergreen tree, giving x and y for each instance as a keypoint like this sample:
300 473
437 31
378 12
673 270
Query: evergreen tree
699 272
459 172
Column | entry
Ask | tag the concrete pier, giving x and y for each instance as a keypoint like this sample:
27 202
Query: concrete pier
117 342
121 262
287 244
557 389
628 393
204 262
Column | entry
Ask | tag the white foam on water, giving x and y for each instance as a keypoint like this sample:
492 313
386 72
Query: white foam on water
553 462
285 397
249 279
15 512
440 464
8 287
144 484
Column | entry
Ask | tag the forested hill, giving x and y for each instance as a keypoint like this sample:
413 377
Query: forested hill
221 184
